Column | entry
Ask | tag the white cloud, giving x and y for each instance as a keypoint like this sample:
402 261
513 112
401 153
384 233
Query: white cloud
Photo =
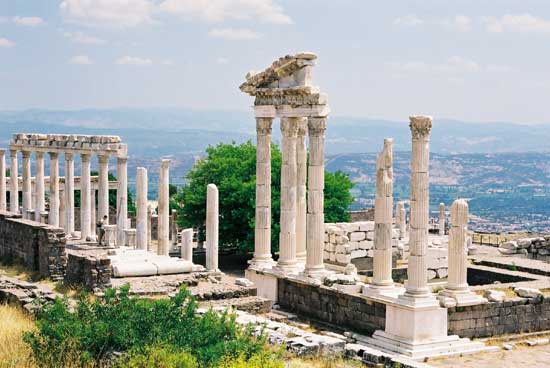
495 68
523 23
220 10
460 23
80 60
132 60
453 65
408 21
29 21
234 34
4 42
108 13
222 60
79 37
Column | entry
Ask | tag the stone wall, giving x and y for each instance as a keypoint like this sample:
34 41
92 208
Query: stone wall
536 247
39 247
325 304
92 271
362 215
512 316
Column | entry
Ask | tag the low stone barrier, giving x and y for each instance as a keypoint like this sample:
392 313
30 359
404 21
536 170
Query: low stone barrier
89 270
536 247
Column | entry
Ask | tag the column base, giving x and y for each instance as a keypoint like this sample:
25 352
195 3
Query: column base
260 263
391 290
462 298
315 272
287 267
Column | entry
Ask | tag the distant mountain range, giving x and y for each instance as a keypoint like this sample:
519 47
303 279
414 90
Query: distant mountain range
157 132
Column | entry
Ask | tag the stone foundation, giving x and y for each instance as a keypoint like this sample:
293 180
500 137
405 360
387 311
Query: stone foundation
89 270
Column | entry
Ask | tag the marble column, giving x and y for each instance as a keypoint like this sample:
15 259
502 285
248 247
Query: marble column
164 208
315 205
149 228
174 227
53 216
14 179
69 194
122 199
262 231
287 236
27 184
187 245
442 219
457 285
417 283
401 217
103 187
93 213
39 207
141 204
3 206
383 219
85 198
62 213
301 179
212 227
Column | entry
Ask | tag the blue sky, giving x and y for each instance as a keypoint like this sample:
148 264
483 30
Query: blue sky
474 60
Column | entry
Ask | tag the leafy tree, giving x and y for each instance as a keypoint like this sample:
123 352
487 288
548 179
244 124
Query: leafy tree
233 169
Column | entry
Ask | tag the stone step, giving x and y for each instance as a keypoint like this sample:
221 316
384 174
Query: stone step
250 304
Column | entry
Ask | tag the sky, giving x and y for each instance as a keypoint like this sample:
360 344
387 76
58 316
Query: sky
471 60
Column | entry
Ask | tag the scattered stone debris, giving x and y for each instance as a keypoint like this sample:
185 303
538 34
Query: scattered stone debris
29 295
527 292
508 346
244 282
494 295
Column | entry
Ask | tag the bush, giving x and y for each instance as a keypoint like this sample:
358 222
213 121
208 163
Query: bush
120 323
157 357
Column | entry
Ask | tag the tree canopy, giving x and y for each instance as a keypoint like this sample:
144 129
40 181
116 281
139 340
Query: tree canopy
232 168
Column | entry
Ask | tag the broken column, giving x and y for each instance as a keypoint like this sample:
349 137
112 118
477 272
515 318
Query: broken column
122 199
457 286
163 209
301 189
2 180
442 219
14 179
27 184
187 245
141 208
401 216
85 198
262 230
69 194
287 235
53 216
212 227
383 219
315 228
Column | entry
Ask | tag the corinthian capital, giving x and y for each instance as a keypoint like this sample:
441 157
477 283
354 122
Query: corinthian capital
317 126
420 126
289 127
263 126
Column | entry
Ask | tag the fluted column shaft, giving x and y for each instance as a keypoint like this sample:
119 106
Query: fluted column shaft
458 250
383 208
164 208
14 179
85 198
212 227
39 187
53 215
401 216
69 194
442 219
287 235
122 199
262 227
315 228
149 227
417 272
62 212
301 179
141 204
3 197
103 187
27 185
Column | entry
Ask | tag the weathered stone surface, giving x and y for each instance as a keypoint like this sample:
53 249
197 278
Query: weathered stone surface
527 292
494 295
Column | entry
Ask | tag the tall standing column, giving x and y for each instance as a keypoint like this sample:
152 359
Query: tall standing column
401 216
212 227
287 236
62 213
122 199
262 231
27 185
417 272
69 194
103 187
53 216
383 210
164 208
85 198
39 186
14 179
301 179
442 219
2 180
93 213
315 202
141 215
149 228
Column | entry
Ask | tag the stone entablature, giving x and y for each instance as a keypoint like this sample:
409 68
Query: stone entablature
105 144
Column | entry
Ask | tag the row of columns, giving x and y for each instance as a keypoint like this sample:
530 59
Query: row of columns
301 223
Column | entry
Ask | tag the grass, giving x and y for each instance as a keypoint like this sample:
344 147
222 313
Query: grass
324 362
18 271
13 351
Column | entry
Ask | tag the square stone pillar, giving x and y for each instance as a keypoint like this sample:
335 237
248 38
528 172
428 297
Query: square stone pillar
14 179
164 209
262 231
103 187
53 216
122 199
27 184
85 198
315 202
69 194
301 201
287 237
3 197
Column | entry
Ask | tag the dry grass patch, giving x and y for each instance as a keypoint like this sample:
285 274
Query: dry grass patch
324 362
13 351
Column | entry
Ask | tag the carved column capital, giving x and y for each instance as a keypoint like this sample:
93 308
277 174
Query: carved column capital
39 154
263 126
289 127
85 157
421 126
53 155
26 154
103 159
302 127
317 126
13 153
165 163
68 156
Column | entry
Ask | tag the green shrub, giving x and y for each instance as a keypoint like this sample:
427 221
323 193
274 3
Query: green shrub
120 323
157 357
